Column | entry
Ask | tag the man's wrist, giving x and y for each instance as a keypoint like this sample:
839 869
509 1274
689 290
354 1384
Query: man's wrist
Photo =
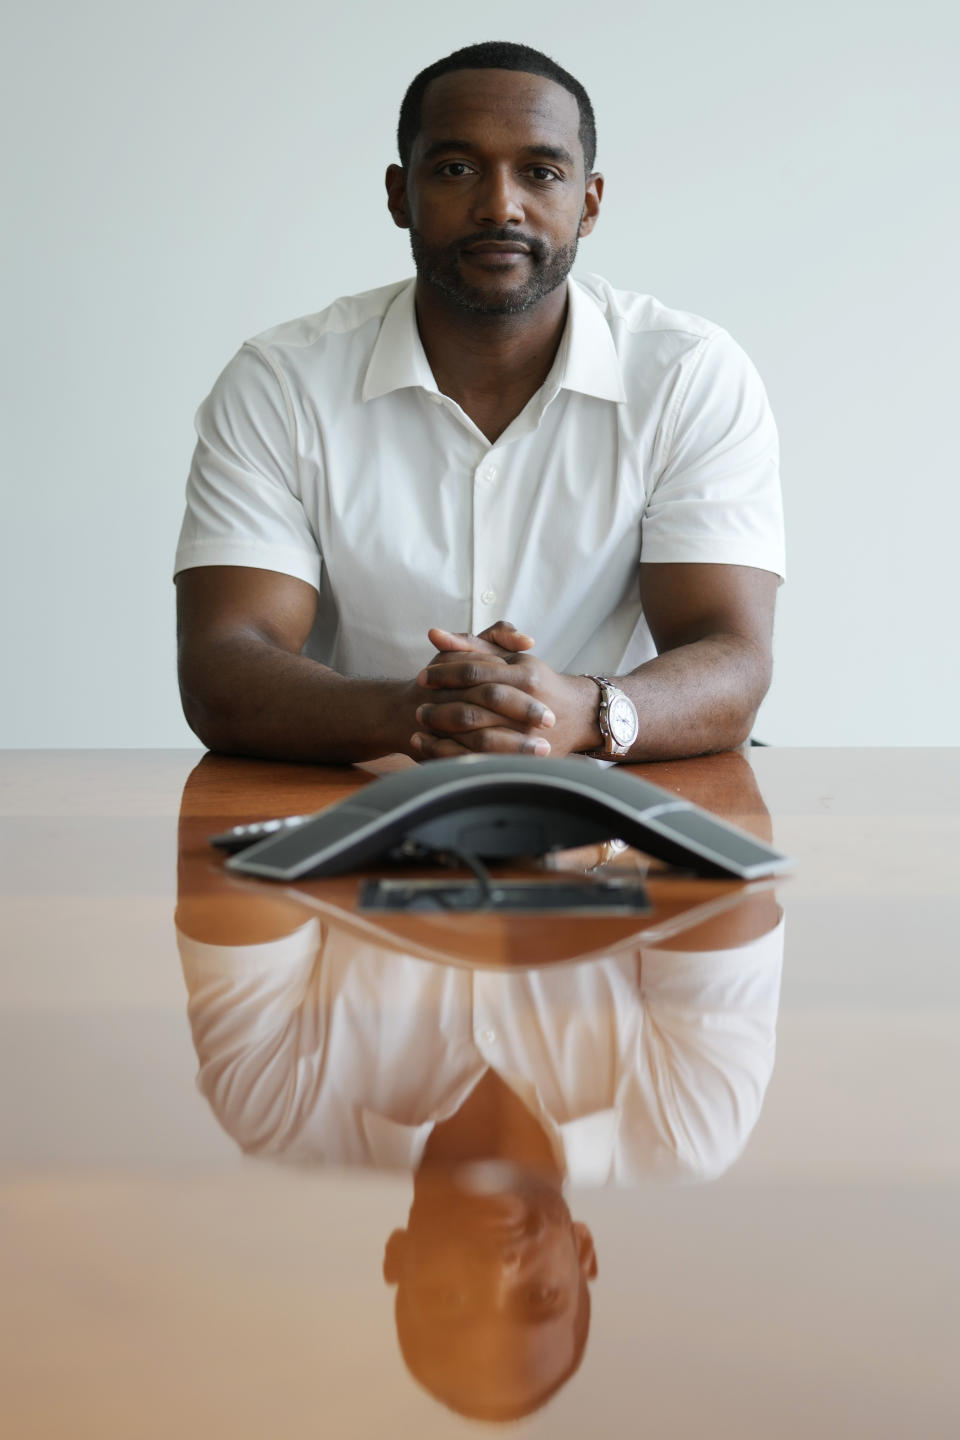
386 715
585 711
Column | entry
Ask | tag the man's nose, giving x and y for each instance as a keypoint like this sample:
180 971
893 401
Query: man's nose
497 199
505 1277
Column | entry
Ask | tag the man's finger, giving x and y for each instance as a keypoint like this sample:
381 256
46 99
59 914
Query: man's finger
447 640
492 741
431 747
470 670
456 710
507 636
501 636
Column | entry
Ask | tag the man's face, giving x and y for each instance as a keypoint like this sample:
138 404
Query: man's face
489 1294
495 195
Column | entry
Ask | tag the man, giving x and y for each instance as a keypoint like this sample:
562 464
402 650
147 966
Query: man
389 475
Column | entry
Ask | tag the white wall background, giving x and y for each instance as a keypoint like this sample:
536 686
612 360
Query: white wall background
179 177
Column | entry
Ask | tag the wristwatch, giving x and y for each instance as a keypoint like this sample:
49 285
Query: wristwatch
617 718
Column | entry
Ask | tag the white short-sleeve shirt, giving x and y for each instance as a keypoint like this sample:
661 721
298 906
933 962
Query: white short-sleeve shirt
319 1048
326 451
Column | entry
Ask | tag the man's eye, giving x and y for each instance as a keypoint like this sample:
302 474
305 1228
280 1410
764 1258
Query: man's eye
543 172
455 168
542 1297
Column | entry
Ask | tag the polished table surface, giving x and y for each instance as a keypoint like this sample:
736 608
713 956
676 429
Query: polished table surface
218 1097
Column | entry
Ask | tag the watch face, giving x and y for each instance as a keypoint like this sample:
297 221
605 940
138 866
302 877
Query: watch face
622 720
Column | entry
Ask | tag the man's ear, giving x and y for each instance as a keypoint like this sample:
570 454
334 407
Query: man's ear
591 203
396 181
586 1254
393 1257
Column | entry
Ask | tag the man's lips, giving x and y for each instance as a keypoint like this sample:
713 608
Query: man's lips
494 247
493 252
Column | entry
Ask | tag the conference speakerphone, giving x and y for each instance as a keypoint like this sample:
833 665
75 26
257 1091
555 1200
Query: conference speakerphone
497 808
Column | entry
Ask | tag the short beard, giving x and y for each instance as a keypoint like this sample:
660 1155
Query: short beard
441 269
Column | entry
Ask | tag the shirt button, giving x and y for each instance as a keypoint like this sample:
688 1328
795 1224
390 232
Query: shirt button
437 399
488 597
489 474
488 1036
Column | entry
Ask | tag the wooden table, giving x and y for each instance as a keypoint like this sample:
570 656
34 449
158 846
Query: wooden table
798 1279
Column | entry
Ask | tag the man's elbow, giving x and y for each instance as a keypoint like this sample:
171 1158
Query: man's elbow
754 681
211 724
210 708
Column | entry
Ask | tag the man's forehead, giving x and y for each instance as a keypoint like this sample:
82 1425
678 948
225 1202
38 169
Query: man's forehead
477 98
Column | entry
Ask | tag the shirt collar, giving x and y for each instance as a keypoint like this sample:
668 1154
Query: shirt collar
399 359
586 1144
587 360
588 357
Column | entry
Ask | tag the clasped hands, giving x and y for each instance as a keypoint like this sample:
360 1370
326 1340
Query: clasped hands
487 693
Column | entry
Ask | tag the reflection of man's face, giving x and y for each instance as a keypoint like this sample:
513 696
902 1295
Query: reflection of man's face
492 1302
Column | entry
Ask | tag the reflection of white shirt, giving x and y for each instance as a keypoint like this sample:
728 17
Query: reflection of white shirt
321 1047
326 451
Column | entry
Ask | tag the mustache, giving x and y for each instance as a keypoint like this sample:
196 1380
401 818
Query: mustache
536 247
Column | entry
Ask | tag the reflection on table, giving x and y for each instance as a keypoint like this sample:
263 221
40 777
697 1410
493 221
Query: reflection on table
323 1040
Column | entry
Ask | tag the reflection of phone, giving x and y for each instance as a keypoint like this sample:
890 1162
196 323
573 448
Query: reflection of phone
493 940
590 896
499 807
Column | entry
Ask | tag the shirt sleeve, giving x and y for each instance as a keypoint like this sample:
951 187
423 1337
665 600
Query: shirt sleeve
705 1055
243 493
716 497
245 1011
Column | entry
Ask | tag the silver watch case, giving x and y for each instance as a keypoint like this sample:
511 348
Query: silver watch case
617 718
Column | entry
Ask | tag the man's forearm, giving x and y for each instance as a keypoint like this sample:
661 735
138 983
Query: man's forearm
696 699
244 696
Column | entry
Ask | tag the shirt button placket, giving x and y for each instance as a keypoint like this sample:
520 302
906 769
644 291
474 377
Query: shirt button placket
484 551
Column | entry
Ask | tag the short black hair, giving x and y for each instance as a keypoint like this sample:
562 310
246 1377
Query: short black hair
494 55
